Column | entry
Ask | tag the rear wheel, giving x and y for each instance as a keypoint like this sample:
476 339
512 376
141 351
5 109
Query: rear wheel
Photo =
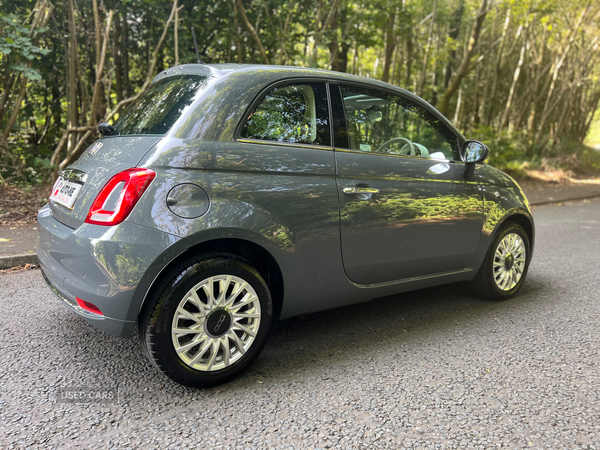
505 266
208 320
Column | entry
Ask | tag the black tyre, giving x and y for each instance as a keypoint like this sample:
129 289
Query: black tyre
207 321
505 266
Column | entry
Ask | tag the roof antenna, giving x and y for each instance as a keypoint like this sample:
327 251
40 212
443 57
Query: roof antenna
196 46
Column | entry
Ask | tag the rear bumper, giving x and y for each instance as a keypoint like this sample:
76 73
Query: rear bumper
115 327
110 267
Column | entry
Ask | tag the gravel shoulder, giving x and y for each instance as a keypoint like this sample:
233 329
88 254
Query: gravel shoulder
436 368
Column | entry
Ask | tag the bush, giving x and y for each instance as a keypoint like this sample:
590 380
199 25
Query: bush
507 153
513 154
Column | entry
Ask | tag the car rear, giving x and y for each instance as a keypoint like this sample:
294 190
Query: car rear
93 258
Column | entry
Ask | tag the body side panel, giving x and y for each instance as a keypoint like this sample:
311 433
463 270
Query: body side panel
283 198
425 218
503 199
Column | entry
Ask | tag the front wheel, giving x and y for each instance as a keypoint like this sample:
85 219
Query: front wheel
505 266
208 320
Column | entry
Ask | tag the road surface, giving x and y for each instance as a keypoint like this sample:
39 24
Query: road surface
437 368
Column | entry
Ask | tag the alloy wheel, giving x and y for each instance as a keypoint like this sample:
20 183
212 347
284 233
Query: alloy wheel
509 261
216 322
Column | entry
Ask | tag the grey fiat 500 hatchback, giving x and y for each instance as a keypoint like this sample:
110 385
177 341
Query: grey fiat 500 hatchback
230 196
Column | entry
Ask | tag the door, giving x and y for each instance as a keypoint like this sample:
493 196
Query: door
405 208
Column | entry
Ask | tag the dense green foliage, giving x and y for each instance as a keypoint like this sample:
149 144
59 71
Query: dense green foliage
523 75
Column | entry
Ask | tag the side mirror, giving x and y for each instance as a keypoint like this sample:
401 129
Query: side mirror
472 152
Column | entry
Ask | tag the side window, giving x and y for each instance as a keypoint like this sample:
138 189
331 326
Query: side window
295 113
384 123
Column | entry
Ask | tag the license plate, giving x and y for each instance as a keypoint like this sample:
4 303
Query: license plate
65 192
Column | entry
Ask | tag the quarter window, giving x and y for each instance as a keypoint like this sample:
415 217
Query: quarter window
159 107
294 113
383 123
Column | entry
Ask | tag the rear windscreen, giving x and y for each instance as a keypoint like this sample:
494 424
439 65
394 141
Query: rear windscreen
159 107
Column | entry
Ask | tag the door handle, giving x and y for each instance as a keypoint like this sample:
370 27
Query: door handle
360 190
361 193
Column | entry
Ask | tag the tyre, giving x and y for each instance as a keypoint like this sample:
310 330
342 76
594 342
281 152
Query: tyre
207 321
505 266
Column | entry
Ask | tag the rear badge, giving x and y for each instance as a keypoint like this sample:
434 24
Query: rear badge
97 146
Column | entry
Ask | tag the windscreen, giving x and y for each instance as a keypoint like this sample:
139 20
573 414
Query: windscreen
159 107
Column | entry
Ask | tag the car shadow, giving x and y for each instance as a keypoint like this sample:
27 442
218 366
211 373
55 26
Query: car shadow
312 343
344 335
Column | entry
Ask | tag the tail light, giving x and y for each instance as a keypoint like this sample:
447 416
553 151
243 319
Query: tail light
118 197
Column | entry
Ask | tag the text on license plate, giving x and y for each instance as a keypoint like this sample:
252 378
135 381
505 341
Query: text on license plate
65 192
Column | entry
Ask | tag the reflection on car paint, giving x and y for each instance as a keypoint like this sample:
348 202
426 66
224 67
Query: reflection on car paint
439 169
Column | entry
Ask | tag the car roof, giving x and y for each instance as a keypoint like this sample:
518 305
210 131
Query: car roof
268 74
279 72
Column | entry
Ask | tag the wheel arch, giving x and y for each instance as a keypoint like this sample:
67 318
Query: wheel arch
523 220
486 283
256 255
491 228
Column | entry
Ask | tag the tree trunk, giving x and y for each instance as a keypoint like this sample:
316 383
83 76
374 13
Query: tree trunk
117 59
95 112
74 152
176 35
97 31
252 31
125 54
316 35
559 62
7 88
334 46
339 52
343 58
319 27
513 86
427 49
15 112
72 57
395 60
41 18
532 119
496 74
355 59
284 35
409 60
453 35
444 104
456 119
390 45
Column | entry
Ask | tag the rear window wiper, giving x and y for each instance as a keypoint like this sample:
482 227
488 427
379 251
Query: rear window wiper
107 130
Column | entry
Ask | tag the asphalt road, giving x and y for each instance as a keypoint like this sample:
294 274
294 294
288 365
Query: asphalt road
437 368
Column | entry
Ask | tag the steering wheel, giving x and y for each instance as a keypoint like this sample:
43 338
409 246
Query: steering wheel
411 147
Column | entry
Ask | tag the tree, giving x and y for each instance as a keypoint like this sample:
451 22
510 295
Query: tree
525 70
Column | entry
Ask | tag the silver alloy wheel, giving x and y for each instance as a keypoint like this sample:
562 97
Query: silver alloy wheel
509 261
216 322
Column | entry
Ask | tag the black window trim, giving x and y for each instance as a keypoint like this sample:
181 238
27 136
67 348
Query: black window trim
338 116
237 135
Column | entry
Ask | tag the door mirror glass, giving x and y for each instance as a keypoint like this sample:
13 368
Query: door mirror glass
474 152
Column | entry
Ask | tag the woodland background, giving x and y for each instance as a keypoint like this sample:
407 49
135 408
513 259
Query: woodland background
521 75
